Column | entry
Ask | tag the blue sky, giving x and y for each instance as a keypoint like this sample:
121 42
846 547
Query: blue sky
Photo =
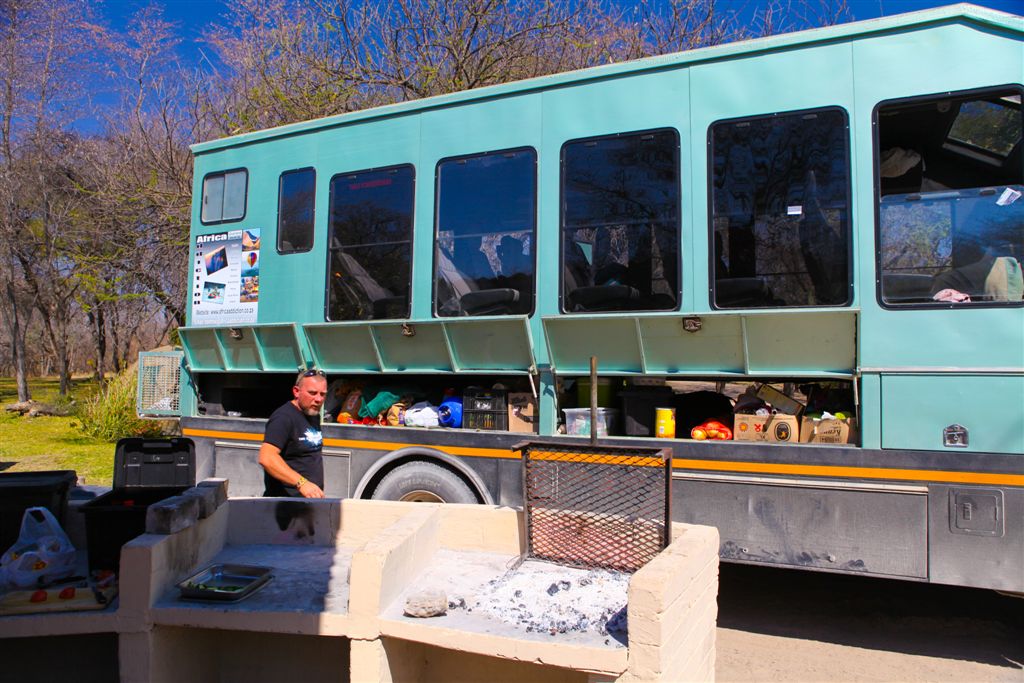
193 15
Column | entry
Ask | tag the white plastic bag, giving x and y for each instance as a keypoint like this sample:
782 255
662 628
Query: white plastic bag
41 555
422 414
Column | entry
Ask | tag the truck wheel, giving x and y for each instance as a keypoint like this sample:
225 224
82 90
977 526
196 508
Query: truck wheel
423 482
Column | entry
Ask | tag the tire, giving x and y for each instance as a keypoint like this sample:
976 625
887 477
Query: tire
423 482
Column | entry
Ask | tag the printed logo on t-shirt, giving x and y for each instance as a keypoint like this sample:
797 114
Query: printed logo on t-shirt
313 438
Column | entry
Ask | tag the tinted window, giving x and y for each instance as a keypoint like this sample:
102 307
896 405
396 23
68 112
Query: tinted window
620 223
486 231
224 196
780 211
296 201
370 244
950 211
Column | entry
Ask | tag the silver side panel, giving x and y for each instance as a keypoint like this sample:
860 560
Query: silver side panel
834 528
977 537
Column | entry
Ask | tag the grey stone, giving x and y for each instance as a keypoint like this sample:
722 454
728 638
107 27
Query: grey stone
207 497
171 515
220 486
426 603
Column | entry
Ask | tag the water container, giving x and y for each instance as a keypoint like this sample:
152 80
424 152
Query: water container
449 414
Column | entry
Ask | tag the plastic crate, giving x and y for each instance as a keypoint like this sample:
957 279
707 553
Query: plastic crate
638 408
485 409
577 421
21 490
146 471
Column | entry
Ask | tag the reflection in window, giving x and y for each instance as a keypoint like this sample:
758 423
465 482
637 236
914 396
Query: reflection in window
992 126
486 231
951 213
296 199
780 211
224 196
370 244
620 223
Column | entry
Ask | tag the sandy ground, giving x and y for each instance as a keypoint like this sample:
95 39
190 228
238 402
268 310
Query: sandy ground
779 625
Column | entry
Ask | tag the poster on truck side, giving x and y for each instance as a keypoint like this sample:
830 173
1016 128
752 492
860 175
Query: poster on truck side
226 278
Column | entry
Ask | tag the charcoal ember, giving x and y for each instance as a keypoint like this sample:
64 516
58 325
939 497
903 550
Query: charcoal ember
619 623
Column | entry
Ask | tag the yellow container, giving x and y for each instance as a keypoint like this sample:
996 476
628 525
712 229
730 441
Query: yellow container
665 423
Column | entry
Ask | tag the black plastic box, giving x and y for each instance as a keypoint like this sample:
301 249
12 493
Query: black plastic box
638 408
22 490
146 471
485 409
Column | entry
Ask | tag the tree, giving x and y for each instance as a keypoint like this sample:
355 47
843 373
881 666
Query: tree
45 47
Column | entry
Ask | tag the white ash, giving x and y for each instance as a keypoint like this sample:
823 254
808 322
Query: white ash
546 598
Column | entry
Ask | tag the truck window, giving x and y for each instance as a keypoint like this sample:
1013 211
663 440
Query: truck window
780 210
950 207
295 205
224 196
620 223
370 244
486 234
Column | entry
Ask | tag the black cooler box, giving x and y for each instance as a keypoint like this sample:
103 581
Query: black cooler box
21 490
639 405
145 472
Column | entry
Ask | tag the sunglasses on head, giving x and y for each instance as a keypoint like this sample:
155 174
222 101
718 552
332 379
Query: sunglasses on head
309 373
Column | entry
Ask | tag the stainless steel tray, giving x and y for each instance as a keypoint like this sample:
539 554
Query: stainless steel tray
225 583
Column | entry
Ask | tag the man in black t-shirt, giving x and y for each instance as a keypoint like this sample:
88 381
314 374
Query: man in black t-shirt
290 454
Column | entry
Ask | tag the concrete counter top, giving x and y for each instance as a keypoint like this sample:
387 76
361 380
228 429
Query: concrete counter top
308 582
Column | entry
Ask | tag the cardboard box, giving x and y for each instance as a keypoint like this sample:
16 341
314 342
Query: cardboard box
522 413
776 427
778 400
828 431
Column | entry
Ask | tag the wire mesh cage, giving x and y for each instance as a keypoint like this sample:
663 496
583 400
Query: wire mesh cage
159 380
595 506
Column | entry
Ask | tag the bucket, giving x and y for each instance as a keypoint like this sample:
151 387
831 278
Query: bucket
665 423
605 394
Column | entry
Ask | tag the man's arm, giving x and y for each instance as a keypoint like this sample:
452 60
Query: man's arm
275 466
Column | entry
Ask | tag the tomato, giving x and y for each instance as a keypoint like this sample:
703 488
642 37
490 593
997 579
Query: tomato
725 433
698 434
711 431
67 593
38 596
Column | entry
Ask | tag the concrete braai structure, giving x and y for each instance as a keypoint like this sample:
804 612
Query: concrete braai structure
343 571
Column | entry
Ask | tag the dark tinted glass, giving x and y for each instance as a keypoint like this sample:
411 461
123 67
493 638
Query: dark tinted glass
951 199
486 231
296 199
780 211
370 244
620 223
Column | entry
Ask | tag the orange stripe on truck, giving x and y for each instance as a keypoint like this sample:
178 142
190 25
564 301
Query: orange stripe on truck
824 471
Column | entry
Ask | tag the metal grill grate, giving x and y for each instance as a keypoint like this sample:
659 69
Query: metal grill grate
596 507
159 379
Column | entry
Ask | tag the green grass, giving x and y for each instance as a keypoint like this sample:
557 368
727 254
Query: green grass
32 444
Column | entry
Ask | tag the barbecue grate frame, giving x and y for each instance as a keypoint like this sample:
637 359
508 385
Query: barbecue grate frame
597 507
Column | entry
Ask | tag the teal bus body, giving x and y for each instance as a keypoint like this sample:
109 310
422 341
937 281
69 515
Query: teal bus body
915 370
